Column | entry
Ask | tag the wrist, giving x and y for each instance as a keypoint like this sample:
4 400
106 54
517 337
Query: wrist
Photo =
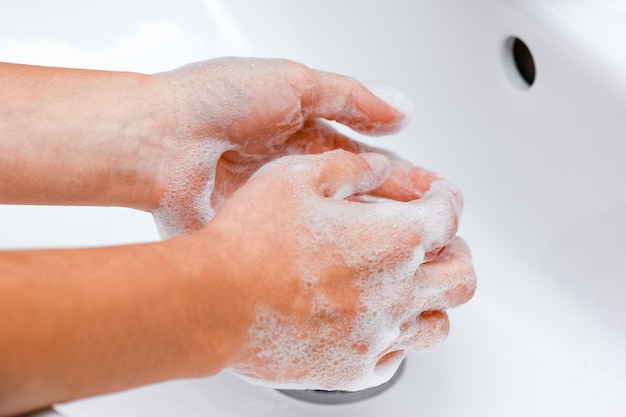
155 135
143 126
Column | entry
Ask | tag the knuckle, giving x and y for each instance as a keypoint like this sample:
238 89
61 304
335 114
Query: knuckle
435 329
465 287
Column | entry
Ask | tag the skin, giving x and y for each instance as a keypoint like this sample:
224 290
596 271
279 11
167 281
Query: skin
81 322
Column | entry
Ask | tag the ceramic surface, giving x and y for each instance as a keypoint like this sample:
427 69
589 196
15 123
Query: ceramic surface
542 170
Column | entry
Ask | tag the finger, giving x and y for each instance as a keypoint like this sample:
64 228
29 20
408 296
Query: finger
424 332
337 97
344 174
389 364
437 204
447 279
391 357
434 217
335 174
406 181
316 136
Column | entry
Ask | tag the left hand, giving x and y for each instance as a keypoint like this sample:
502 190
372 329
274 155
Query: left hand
225 118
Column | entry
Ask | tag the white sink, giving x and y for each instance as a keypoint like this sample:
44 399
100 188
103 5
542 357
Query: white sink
542 170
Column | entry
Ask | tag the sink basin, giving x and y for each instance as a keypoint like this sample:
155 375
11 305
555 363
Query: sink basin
540 161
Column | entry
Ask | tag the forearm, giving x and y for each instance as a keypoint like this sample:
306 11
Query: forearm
77 323
74 137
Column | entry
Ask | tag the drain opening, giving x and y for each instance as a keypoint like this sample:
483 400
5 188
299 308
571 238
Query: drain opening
343 397
520 63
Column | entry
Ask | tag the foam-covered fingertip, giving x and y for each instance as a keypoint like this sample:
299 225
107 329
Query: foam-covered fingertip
393 96
380 164
445 187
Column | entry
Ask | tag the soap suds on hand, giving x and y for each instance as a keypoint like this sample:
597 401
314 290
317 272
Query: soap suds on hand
336 355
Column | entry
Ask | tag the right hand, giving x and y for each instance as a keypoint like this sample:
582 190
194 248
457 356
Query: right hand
331 292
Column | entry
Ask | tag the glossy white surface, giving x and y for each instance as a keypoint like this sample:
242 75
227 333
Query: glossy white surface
542 170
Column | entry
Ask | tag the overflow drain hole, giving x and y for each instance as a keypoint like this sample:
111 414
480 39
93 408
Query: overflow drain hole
520 64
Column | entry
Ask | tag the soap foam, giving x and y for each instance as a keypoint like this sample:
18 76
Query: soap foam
391 299
175 218
395 97
232 102
384 262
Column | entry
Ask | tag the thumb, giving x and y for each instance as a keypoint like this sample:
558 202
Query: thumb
332 96
343 174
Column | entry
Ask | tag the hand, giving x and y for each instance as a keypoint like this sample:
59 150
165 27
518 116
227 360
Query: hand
335 291
225 118
303 279
178 143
